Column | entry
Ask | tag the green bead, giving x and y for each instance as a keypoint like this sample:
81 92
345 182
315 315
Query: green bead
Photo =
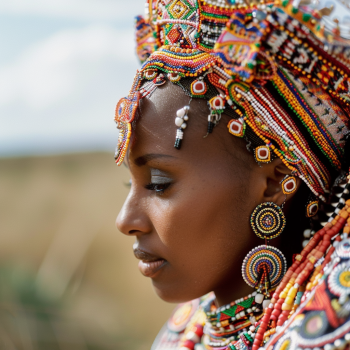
295 10
306 17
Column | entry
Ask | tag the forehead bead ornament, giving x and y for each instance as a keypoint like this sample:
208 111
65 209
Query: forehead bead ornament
174 77
199 87
262 154
217 107
236 127
181 122
150 74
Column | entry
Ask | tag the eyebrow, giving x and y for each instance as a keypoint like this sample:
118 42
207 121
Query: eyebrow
143 160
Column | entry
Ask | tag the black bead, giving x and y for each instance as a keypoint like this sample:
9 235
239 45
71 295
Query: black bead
177 143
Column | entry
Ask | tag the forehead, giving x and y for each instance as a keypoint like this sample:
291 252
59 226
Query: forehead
155 129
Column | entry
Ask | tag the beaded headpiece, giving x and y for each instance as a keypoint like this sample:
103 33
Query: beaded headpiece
280 70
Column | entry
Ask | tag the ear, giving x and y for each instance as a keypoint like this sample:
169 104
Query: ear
275 173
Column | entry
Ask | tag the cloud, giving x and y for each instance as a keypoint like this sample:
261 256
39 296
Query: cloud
62 92
52 70
76 9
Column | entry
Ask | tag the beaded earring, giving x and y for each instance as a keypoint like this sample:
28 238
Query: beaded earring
181 121
268 220
264 267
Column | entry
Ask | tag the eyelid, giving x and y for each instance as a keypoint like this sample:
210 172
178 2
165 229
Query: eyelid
160 179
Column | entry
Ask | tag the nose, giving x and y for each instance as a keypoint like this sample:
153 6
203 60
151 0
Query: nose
132 219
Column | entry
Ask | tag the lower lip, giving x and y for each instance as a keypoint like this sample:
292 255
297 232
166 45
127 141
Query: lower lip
149 269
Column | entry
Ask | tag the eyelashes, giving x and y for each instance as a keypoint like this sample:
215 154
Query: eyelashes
159 188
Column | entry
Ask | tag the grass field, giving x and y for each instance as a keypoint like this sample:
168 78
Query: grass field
68 278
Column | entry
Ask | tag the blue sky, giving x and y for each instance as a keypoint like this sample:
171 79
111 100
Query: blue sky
63 66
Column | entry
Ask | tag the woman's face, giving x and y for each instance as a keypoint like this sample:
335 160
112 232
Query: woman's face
189 209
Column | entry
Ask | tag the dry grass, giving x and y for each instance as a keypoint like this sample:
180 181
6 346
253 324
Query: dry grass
57 219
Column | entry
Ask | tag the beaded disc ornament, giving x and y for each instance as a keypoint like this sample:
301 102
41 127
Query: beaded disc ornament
343 249
264 259
268 220
339 280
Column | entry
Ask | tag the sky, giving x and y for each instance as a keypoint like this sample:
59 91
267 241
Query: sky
63 67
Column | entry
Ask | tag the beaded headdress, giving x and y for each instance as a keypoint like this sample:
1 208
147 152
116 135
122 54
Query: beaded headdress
280 70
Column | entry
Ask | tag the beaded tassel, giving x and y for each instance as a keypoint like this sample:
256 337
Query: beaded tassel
181 121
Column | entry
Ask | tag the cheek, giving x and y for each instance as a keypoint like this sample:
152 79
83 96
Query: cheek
201 221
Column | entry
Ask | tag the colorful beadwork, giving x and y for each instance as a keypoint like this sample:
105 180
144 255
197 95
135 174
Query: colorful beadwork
339 280
268 220
289 185
277 67
198 88
312 208
343 249
174 77
236 127
284 74
263 154
260 258
181 122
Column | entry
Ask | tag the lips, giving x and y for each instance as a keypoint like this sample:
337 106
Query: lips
149 264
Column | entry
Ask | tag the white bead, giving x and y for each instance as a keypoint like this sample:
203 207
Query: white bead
242 313
259 298
186 117
266 304
178 121
181 112
339 344
183 126
199 347
193 337
252 320
347 337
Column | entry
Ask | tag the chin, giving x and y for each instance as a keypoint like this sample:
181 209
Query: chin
175 293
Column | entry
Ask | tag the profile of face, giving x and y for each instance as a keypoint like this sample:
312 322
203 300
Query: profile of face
189 209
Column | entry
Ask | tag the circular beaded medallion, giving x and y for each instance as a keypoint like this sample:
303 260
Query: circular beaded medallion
268 220
264 256
343 249
339 280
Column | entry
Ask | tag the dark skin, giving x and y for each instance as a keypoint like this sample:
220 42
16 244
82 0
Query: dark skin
192 207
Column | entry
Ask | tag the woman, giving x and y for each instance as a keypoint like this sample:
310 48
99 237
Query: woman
256 96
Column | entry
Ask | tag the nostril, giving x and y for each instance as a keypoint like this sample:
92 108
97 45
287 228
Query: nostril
131 232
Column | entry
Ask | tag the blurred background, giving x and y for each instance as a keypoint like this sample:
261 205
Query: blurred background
68 278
